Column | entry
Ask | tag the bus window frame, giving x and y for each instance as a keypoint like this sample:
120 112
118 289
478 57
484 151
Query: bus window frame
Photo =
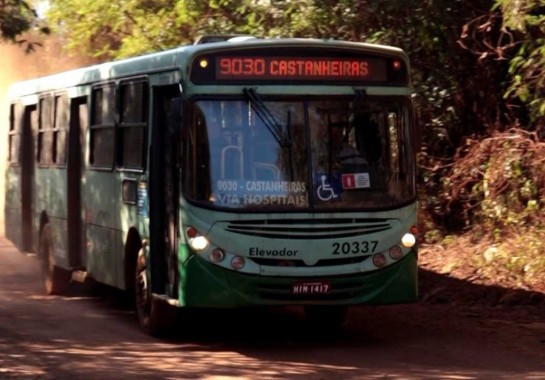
120 125
402 100
103 126
14 134
55 129
44 142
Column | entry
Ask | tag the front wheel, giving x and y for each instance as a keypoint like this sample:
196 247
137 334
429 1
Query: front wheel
155 316
55 279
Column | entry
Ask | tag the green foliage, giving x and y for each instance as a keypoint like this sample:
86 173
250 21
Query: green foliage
107 29
515 259
525 20
498 183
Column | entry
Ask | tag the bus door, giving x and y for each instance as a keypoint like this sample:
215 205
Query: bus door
29 124
100 195
19 191
164 187
75 213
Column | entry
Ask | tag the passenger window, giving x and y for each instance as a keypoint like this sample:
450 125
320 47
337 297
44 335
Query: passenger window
14 135
133 124
43 154
61 122
102 128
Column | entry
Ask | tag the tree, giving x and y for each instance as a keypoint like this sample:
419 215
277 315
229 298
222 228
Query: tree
16 18
524 23
107 30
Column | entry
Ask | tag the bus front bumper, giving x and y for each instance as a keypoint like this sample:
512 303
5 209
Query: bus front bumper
203 284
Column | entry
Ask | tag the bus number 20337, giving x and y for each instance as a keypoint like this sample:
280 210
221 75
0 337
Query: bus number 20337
355 247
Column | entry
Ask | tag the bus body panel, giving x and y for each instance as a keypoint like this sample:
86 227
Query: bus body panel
101 196
13 214
395 223
207 285
20 181
51 202
108 221
128 219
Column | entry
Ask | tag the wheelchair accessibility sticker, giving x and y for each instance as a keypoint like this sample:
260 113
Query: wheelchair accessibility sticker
325 192
331 187
328 187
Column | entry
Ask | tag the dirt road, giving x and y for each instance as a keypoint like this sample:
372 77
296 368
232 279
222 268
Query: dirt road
90 335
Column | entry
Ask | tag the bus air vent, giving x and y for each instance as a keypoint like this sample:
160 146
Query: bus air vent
301 263
309 229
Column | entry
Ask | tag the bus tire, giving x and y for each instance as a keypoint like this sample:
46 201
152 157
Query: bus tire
55 279
155 316
329 318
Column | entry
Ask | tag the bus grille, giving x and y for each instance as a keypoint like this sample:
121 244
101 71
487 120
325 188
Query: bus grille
309 229
301 263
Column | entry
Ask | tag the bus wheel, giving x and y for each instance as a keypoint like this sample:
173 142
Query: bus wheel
155 316
55 279
326 317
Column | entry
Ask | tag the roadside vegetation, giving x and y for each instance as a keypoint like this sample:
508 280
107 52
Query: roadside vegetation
479 81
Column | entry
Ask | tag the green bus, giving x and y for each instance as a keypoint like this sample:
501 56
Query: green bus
233 172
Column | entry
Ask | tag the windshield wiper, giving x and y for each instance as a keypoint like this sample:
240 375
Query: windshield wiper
274 127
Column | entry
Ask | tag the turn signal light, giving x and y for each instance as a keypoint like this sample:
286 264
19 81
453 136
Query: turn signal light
217 255
238 262
379 260
395 252
191 232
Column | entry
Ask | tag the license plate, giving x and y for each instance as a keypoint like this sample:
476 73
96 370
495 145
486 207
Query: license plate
310 287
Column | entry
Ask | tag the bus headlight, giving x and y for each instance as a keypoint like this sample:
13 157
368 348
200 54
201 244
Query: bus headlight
198 243
408 240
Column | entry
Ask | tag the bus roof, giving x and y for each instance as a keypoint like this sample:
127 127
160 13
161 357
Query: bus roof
176 59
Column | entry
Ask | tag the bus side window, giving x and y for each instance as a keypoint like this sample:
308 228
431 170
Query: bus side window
133 124
14 134
102 128
43 147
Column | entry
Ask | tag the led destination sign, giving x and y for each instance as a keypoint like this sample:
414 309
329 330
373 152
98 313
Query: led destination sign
249 67
299 68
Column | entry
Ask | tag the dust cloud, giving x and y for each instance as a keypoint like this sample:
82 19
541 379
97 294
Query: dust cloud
16 65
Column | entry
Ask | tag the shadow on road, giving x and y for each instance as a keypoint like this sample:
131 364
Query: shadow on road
457 330
269 325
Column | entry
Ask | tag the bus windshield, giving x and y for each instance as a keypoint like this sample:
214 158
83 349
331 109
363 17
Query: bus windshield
300 154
